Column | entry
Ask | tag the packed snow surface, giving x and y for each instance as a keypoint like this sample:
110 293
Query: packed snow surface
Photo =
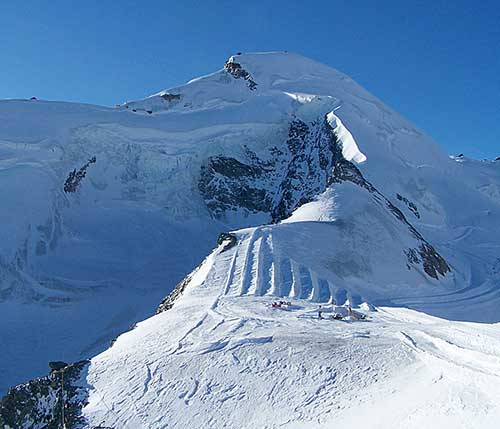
79 268
223 357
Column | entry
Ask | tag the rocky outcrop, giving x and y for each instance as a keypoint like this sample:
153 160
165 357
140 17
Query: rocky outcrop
228 184
238 72
227 240
49 402
57 365
411 206
76 176
293 173
171 97
308 166
303 166
432 261
425 254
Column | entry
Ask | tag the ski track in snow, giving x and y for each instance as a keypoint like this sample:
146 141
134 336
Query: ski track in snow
315 372
222 357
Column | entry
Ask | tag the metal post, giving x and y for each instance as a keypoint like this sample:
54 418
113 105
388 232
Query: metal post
62 399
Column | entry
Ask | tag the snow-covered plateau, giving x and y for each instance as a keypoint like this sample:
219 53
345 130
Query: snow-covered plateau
275 179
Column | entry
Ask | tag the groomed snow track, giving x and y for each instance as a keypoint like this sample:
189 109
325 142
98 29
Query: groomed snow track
259 268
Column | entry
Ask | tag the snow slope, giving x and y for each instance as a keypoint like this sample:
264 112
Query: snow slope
222 357
364 208
78 269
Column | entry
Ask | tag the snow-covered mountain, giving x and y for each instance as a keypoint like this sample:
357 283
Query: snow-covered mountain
330 196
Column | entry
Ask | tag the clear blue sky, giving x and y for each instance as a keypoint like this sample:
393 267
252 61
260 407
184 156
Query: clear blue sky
436 62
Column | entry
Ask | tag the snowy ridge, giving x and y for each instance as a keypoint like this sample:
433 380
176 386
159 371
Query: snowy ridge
350 149
331 197
313 372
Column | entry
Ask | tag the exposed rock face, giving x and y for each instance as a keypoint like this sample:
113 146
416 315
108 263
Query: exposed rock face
411 206
57 365
309 162
75 177
227 240
39 403
432 262
294 172
238 72
300 169
228 184
303 166
171 97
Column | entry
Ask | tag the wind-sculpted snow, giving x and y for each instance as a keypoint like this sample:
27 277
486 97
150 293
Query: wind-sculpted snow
222 350
329 196
236 352
350 150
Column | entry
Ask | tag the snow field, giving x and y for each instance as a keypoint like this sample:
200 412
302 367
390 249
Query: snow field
220 359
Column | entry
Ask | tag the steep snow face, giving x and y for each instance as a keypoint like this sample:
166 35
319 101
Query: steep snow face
271 137
350 150
102 257
401 159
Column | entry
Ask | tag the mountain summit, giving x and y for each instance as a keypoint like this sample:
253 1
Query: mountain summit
324 197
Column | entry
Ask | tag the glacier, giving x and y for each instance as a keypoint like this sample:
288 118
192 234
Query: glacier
331 196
